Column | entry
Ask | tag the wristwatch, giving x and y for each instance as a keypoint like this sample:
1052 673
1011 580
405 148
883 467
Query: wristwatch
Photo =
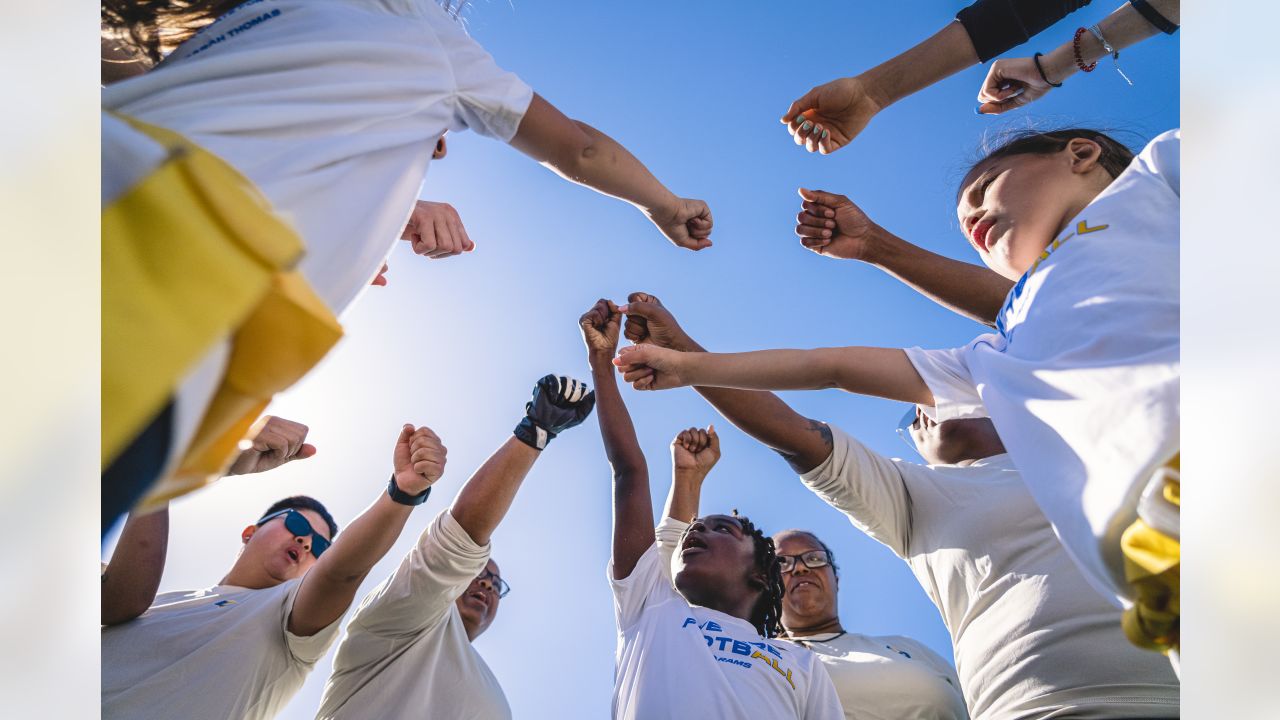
403 497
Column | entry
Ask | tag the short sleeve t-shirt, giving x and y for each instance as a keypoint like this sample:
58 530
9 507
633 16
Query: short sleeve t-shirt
223 652
332 108
876 678
406 653
1031 638
1082 376
680 660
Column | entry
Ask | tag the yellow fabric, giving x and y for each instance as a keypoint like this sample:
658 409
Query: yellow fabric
192 255
1152 567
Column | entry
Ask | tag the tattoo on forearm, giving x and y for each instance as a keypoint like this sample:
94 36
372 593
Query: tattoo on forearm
794 460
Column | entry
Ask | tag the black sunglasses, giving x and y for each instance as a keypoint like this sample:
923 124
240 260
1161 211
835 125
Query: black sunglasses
297 523
812 559
496 580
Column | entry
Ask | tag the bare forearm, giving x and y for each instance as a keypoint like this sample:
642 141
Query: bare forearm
486 497
883 372
970 290
632 505
132 576
330 585
684 496
1121 28
616 429
607 167
942 55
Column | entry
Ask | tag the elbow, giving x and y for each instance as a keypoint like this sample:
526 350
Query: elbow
580 153
124 611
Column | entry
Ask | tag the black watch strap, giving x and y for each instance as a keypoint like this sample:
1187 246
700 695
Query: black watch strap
403 497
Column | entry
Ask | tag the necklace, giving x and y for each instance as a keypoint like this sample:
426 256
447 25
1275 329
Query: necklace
805 641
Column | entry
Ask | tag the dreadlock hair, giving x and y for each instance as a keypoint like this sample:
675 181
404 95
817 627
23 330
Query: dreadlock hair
766 615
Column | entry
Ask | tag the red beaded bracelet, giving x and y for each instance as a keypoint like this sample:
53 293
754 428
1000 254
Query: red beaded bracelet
1075 48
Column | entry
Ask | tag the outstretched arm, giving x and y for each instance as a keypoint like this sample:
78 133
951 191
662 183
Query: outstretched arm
632 505
802 442
1014 82
581 154
882 372
831 225
558 403
330 585
693 453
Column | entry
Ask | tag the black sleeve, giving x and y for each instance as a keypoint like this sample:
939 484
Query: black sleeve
995 26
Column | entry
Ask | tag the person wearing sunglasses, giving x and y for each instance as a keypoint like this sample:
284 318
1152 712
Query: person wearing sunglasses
244 647
1031 638
408 652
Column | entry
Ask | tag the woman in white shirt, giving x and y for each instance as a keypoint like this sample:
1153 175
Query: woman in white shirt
701 646
1030 637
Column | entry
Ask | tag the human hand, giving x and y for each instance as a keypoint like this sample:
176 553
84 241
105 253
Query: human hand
599 327
418 460
276 442
829 116
558 404
695 451
381 278
648 367
648 321
832 225
1011 83
435 230
686 223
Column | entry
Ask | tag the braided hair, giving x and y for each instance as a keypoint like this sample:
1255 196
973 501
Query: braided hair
766 615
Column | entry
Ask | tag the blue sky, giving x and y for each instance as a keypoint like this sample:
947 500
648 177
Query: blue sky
694 90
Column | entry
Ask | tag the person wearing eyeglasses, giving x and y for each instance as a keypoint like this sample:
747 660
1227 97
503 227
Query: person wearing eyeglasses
1030 637
407 652
244 647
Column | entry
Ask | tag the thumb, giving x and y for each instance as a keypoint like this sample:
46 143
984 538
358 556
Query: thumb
640 308
821 197
806 102
401 454
715 439
307 450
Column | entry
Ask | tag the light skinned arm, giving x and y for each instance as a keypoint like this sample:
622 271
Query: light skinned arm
132 577
833 226
829 116
330 585
1014 82
486 497
583 155
632 504
882 372
802 442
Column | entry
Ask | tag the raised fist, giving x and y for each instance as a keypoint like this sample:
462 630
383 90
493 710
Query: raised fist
599 327
558 404
419 459
696 450
648 321
276 441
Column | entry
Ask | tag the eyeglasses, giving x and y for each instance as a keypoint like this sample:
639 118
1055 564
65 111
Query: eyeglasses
297 523
904 429
813 559
495 580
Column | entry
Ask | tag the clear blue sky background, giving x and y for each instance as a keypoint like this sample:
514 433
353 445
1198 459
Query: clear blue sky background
695 90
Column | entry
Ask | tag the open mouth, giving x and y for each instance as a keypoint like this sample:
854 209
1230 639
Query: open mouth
294 554
479 596
980 233
799 583
692 544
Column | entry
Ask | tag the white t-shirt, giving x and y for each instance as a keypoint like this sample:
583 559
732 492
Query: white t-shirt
406 652
332 108
876 677
680 660
1081 378
1030 636
224 652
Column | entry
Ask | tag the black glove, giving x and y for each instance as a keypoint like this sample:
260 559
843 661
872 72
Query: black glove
558 404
